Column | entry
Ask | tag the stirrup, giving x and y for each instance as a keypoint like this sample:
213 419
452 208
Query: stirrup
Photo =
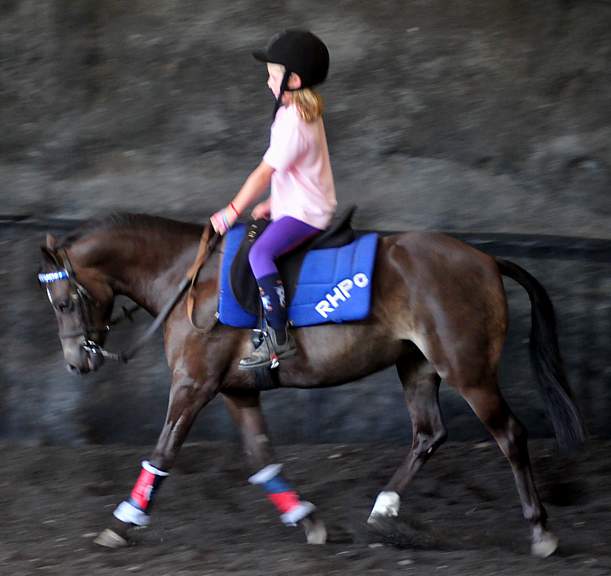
266 354
261 356
257 337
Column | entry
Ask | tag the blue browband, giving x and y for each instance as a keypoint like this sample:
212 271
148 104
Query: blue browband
53 276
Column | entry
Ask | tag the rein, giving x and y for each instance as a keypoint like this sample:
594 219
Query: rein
82 298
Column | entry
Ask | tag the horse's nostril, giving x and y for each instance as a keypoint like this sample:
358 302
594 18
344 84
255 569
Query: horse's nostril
72 369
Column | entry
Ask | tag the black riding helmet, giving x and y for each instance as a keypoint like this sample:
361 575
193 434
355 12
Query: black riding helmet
299 51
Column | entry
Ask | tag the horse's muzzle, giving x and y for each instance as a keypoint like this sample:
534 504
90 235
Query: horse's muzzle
90 359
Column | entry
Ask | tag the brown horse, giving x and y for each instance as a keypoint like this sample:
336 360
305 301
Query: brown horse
439 311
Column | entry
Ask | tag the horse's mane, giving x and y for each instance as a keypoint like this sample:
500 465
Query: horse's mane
144 222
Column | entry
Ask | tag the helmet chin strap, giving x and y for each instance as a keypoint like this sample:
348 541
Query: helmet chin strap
283 88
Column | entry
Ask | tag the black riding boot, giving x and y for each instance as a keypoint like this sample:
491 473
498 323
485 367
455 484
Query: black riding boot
277 345
277 342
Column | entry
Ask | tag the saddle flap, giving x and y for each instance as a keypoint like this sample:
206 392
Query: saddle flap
335 284
330 284
242 280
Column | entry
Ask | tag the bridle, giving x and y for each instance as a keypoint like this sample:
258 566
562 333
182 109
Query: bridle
83 300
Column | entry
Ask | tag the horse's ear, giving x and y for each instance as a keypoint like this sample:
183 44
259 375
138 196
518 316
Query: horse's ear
51 242
49 249
48 255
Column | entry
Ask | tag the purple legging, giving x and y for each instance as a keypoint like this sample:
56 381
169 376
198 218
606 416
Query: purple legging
280 236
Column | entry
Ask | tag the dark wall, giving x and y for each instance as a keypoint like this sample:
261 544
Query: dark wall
469 117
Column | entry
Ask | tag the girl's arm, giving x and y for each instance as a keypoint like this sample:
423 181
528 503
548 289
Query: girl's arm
254 187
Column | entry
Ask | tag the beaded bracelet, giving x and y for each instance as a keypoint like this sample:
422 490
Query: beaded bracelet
225 220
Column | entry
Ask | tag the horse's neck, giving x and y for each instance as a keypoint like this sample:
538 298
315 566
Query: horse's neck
141 264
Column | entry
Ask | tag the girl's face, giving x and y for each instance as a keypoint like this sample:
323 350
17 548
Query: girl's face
276 73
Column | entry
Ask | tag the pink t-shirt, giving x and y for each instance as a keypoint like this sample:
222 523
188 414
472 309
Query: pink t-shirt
302 182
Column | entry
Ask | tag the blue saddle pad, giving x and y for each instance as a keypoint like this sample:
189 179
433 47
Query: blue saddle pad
334 284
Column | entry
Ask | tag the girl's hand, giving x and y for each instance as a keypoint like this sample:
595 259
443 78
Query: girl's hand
224 219
261 210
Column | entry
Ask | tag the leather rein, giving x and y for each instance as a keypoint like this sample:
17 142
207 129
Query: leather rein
83 299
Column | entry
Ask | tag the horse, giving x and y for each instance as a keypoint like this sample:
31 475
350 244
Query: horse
438 312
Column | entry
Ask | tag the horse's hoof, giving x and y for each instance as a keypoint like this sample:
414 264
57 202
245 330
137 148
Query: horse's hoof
110 539
315 530
374 519
381 528
545 545
381 522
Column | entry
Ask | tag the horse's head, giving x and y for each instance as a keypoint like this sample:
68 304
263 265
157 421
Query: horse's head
82 300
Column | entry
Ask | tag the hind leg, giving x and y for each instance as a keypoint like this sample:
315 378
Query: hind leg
488 404
421 388
245 410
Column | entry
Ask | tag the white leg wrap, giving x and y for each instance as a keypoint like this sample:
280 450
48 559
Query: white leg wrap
265 474
544 543
150 468
128 513
387 504
297 513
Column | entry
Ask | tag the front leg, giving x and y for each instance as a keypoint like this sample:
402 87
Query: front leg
187 398
245 409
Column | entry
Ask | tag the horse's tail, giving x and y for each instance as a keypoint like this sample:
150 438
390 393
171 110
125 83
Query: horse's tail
546 360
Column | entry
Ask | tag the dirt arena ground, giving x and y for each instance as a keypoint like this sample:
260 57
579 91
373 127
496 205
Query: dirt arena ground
461 515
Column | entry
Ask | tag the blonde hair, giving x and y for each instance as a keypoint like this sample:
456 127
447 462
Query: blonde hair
309 103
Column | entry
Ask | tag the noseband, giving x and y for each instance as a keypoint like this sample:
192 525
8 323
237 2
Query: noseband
82 299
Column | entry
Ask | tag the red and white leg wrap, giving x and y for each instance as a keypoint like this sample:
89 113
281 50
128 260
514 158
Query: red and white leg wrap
136 509
282 495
